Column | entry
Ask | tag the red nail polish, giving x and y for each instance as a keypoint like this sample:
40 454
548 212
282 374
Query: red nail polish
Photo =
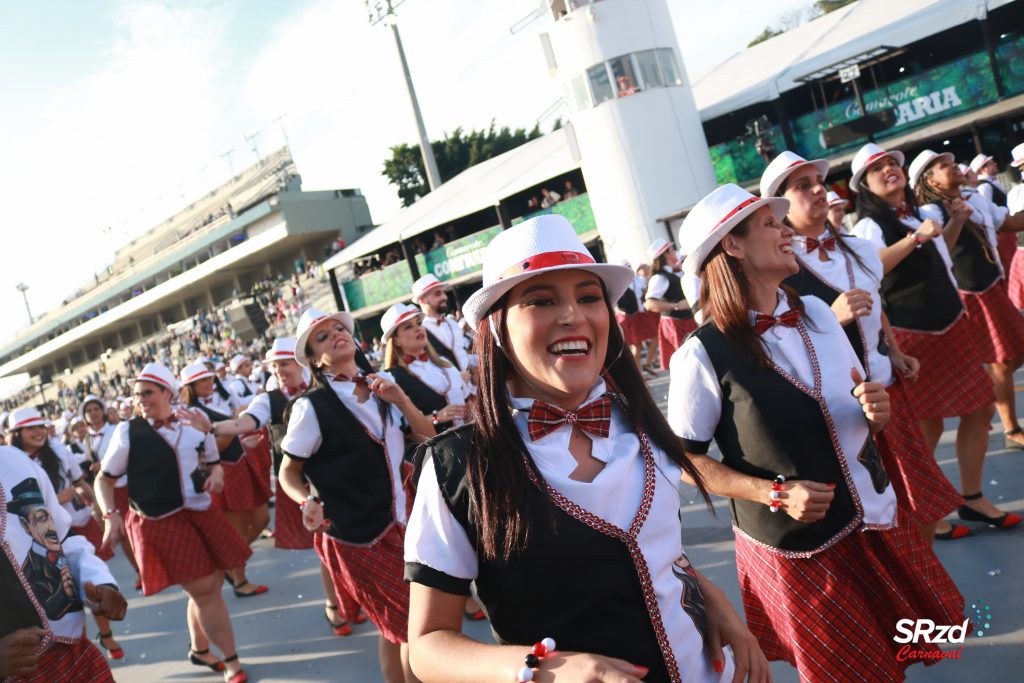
641 670
719 667
831 486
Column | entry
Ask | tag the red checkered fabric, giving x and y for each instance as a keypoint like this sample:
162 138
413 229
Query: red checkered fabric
246 484
920 485
372 576
952 381
121 501
1006 247
998 324
672 332
649 324
289 532
826 245
188 545
833 615
1015 279
94 533
593 418
79 663
635 327
261 452
763 323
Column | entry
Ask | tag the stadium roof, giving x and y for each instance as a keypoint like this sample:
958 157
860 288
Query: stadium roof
761 73
478 187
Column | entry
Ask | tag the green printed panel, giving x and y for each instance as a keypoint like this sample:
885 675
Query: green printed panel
458 258
1010 58
576 210
384 285
737 161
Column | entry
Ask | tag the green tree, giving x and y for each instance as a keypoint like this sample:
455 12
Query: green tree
456 152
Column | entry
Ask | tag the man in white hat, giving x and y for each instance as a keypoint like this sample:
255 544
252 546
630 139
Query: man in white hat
1015 198
442 329
241 385
986 168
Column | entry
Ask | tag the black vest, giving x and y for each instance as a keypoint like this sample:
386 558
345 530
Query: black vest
974 259
419 392
674 294
154 475
18 611
808 282
443 350
246 390
573 583
627 302
278 426
770 427
998 196
234 452
917 293
350 473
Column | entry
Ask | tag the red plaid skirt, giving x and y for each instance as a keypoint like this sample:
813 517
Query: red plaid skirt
373 576
121 501
919 483
1006 246
94 533
952 381
1015 279
246 484
188 545
262 453
833 616
672 332
998 325
637 327
289 532
79 663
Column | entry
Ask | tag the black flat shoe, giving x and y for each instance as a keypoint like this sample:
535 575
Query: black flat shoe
955 531
193 656
1011 444
1007 520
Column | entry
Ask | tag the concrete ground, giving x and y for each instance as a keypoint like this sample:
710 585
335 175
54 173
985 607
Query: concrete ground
283 636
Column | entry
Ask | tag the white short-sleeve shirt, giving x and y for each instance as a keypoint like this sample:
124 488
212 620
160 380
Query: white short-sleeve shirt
435 539
986 214
447 331
657 285
304 437
695 397
868 229
446 381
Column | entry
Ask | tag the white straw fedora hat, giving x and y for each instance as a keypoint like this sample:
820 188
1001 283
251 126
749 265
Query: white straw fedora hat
921 163
193 372
782 166
158 373
715 215
236 361
538 245
424 285
395 316
25 417
1018 156
308 322
834 199
91 398
867 155
283 348
978 161
657 248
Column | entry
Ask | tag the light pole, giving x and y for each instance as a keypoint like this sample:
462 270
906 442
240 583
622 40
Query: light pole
384 11
22 287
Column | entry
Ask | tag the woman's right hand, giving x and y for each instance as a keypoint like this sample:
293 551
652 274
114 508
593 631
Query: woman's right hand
806 501
112 531
929 230
580 667
451 412
958 210
313 517
851 305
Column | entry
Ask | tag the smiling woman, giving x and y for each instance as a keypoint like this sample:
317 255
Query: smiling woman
569 466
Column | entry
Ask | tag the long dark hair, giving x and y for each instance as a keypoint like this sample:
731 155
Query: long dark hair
870 205
496 470
47 458
841 239
319 380
926 194
725 298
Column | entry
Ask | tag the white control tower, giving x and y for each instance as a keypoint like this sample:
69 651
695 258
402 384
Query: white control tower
643 151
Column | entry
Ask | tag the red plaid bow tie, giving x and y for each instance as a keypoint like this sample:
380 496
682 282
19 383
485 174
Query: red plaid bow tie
297 391
51 556
157 424
828 244
358 379
594 418
904 211
762 322
422 357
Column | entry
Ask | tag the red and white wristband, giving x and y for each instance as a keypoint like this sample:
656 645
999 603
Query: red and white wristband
775 503
544 648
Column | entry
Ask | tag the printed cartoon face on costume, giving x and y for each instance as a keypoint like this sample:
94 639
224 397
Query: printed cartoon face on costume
37 523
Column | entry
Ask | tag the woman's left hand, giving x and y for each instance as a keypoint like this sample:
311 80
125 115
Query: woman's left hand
215 480
726 627
874 400
908 366
387 390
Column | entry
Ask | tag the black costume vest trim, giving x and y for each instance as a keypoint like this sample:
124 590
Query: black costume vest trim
627 302
570 583
998 196
245 386
443 350
419 392
808 282
674 294
770 427
234 451
350 472
154 474
917 294
974 259
278 426
19 611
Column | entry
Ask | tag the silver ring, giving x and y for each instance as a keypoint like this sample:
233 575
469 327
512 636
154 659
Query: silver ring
874 407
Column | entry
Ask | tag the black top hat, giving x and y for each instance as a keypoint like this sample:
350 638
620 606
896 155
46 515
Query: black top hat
26 495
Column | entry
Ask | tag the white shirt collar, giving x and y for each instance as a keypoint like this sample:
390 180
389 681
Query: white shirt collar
524 404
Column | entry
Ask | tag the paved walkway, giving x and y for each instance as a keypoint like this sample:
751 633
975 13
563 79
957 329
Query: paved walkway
282 635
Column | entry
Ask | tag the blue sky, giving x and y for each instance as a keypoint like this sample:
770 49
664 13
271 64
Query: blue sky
116 112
